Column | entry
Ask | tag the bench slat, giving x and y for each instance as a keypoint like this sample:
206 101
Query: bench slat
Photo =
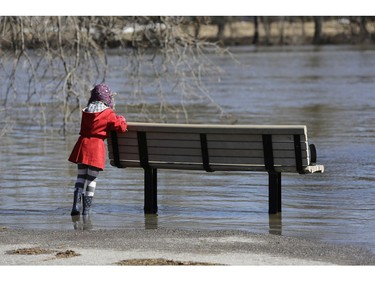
228 153
252 153
215 167
250 137
174 151
211 128
255 145
172 136
212 145
173 159
212 137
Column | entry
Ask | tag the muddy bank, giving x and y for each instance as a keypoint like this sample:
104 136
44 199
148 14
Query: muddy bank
170 246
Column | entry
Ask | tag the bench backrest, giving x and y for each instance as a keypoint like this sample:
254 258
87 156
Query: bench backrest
281 148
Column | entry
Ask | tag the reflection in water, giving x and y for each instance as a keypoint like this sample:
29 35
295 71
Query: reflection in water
151 221
82 222
275 224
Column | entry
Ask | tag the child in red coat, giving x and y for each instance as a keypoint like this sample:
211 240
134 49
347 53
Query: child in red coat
89 153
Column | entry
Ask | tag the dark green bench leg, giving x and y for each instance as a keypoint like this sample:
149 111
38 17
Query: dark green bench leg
151 203
274 192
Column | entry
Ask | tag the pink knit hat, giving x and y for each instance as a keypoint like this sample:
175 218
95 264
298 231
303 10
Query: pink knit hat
102 92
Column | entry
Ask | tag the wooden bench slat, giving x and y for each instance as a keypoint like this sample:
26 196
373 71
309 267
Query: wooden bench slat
170 161
171 136
212 146
173 159
228 153
124 156
175 144
255 145
213 128
216 167
250 137
174 151
252 153
211 137
253 160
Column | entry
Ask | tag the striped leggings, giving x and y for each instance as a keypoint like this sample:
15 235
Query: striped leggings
86 177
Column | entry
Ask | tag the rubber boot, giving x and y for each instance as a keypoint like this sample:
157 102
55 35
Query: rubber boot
87 201
76 203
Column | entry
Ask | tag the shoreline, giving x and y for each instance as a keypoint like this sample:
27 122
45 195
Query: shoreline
157 246
279 31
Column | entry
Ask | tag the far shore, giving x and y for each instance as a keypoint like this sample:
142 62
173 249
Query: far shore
235 33
285 33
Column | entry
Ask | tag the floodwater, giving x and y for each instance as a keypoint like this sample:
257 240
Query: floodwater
330 89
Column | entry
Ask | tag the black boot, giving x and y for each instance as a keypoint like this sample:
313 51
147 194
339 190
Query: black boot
76 202
87 201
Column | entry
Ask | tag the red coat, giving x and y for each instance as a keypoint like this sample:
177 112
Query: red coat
90 148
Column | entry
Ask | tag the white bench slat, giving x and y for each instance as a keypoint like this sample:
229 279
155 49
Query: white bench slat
211 128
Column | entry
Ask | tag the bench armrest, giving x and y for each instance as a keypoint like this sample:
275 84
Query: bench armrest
314 169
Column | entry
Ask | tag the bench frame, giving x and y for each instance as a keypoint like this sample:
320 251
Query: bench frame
150 173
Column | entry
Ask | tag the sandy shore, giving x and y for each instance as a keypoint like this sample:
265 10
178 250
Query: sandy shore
160 246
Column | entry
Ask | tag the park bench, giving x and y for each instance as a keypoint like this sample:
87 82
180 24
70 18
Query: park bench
273 149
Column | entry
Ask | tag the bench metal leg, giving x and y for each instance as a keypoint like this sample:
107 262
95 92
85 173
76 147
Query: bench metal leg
151 203
274 192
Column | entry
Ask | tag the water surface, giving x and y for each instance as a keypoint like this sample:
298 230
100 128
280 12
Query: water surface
329 89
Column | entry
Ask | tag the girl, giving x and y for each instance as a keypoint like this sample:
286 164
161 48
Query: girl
89 153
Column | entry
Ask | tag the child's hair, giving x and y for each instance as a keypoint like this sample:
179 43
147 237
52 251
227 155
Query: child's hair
103 93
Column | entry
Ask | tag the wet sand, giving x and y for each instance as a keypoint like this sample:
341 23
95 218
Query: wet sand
170 247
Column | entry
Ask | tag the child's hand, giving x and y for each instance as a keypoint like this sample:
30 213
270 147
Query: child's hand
121 118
